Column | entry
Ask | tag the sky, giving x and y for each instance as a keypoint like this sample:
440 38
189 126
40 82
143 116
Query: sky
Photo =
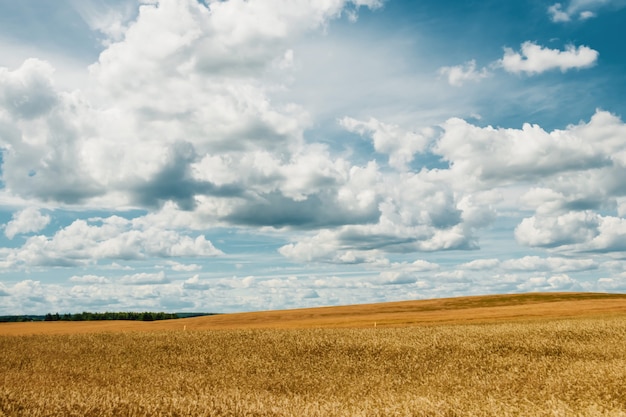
224 156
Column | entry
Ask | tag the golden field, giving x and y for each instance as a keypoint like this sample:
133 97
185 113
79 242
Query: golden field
524 355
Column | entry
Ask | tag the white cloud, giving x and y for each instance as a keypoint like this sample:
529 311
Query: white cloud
417 212
453 276
531 264
196 129
27 92
372 4
390 139
86 242
89 279
105 17
564 204
129 140
403 273
580 9
551 264
614 284
194 283
323 247
561 282
574 231
557 14
441 209
419 265
397 278
42 134
364 243
144 278
566 229
116 267
586 15
26 221
457 75
531 153
535 59
177 266
480 264
311 294
611 236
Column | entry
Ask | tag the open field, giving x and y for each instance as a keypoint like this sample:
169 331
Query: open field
572 363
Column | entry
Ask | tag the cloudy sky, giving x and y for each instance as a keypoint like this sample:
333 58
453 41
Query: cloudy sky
220 156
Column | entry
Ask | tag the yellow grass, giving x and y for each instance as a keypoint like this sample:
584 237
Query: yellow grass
569 366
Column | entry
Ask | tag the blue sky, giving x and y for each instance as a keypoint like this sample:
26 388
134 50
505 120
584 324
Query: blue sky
231 155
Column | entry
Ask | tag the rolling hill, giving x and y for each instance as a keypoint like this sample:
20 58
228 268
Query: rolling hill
459 310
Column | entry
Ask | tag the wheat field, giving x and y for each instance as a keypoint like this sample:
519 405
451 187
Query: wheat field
556 367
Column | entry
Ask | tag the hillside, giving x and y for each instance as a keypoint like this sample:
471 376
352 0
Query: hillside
460 310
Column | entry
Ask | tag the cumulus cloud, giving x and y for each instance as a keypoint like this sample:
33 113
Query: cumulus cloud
457 75
403 273
397 278
389 139
89 279
195 283
311 190
42 137
30 297
197 132
85 242
28 92
363 244
616 284
530 153
417 213
316 211
26 221
552 264
105 17
611 236
557 14
580 9
567 177
129 140
535 59
480 264
531 264
177 266
561 282
566 229
144 278
574 231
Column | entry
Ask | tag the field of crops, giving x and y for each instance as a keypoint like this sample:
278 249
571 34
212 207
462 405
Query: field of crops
559 367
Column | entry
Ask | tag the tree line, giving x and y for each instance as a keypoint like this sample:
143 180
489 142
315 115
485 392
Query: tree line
87 316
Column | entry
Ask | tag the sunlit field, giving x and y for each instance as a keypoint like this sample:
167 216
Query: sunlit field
542 367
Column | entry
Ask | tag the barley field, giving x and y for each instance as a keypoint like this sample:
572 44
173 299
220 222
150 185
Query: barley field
556 367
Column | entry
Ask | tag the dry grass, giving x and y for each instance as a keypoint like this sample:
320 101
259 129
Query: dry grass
557 367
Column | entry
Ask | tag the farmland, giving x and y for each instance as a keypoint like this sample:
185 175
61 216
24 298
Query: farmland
533 355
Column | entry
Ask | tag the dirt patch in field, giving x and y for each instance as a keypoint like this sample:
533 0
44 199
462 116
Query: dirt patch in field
460 310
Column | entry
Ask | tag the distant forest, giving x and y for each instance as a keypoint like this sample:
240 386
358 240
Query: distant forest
87 316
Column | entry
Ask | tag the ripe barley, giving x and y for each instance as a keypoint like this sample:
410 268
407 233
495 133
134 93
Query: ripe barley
538 368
